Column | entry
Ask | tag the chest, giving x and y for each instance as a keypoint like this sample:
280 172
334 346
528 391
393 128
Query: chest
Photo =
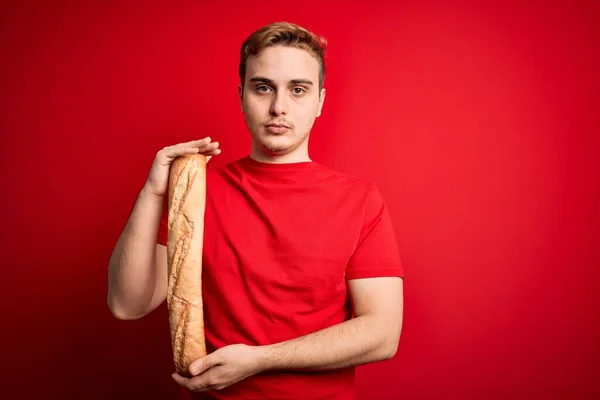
290 244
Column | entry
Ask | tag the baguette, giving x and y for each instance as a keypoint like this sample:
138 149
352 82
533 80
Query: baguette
187 202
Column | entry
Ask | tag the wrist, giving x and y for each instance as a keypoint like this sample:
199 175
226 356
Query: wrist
146 192
267 357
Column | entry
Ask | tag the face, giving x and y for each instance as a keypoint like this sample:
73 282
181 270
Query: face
281 100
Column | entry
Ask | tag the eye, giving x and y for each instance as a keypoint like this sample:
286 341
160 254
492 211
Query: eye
262 88
299 90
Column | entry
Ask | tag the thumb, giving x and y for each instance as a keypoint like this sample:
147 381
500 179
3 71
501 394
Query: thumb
202 364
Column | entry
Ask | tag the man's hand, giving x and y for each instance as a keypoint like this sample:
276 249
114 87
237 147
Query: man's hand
223 368
158 178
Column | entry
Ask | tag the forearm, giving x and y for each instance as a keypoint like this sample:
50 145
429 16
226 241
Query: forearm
355 342
132 272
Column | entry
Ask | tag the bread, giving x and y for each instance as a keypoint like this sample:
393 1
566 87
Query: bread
187 201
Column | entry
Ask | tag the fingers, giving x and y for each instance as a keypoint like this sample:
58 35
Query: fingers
203 146
198 142
209 380
183 381
202 364
211 149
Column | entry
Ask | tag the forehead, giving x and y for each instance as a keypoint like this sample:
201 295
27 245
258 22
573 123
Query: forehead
283 63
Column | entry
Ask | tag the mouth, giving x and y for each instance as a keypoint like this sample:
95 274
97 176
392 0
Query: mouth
277 125
277 128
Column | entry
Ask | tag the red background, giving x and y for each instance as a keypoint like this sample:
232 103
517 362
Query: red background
478 121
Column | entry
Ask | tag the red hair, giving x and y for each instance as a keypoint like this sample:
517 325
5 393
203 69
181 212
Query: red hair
285 34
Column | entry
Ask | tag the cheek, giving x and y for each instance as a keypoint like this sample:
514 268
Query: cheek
251 111
307 112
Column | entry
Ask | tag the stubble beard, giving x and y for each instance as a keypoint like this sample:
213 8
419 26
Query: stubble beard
275 148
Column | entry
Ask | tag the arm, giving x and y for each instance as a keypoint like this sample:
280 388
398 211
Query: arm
371 336
374 333
137 273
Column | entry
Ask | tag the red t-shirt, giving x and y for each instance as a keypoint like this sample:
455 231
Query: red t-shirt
280 241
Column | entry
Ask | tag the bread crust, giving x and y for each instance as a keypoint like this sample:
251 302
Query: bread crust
187 202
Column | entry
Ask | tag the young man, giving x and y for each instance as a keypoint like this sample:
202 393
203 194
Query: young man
302 280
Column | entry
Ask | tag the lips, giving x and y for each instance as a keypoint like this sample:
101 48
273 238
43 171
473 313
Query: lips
277 128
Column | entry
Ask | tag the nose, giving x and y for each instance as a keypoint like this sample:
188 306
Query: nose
279 105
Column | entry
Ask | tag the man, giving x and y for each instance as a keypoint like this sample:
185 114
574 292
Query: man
302 280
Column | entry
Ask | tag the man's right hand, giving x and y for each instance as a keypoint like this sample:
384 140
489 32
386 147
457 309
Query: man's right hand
158 178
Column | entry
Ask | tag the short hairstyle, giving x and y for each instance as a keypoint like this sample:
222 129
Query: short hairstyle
285 34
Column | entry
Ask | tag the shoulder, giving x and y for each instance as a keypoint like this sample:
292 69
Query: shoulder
217 167
361 185
221 166
363 192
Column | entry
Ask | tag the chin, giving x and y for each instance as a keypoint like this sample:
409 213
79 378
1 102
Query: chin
275 150
277 145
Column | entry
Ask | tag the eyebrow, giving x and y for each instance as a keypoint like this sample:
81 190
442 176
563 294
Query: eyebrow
271 82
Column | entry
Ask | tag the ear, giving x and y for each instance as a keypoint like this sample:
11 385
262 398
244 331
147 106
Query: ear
321 101
241 95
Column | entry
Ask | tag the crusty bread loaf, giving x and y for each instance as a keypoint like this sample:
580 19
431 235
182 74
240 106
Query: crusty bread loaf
187 201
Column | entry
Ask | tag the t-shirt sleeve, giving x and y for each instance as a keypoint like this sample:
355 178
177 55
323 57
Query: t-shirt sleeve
376 253
163 227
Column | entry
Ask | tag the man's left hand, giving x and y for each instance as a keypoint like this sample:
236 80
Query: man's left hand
223 368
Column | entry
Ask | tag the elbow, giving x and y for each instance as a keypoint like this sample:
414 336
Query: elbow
123 316
387 339
392 339
389 346
390 350
122 313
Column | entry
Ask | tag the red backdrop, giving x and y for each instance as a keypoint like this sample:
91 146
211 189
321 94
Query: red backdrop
478 121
